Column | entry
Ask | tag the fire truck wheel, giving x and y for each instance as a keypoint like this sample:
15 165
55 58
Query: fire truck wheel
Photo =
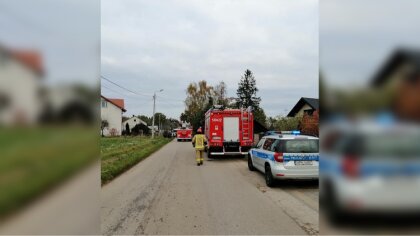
269 180
209 154
250 165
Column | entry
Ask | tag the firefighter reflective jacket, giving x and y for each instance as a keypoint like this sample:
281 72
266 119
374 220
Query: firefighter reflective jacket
199 140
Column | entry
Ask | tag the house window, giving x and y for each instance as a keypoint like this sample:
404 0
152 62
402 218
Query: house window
309 112
104 103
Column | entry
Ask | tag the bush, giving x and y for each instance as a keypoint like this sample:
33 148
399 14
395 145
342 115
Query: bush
167 134
287 123
140 129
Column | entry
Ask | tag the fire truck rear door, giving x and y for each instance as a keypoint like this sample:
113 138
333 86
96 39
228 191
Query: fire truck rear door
231 129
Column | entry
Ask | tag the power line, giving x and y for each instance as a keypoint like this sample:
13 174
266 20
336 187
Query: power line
170 99
103 77
137 102
112 90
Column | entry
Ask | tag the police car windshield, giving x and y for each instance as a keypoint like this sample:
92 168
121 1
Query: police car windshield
300 146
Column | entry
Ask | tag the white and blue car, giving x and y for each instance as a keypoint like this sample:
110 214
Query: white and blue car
286 156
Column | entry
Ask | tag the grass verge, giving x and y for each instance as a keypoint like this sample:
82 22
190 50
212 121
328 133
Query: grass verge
34 160
119 154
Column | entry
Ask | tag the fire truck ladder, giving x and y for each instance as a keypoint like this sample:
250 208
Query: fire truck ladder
245 117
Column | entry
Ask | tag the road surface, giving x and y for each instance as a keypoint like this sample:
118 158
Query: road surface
168 194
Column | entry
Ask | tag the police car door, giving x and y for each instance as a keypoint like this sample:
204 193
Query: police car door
265 153
256 153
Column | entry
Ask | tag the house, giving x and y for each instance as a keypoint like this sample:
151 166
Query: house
155 128
304 106
21 74
399 79
111 111
259 130
131 122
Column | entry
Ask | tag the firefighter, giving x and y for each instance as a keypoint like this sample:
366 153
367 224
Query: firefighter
198 142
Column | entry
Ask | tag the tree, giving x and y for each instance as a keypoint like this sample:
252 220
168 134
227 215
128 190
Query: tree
259 115
271 122
104 124
127 129
146 119
199 100
247 96
247 91
173 123
183 117
220 94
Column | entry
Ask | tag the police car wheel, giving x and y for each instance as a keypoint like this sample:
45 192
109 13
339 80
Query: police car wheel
334 212
269 180
250 165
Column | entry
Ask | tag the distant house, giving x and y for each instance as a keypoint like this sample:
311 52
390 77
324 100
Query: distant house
21 72
400 75
156 128
304 106
111 111
132 121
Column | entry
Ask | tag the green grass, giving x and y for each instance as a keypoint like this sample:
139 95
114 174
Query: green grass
33 160
119 154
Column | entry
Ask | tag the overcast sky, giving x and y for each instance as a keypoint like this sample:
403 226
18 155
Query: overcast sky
151 45
357 36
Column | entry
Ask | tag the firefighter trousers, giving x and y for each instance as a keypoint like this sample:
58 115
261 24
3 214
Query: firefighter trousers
199 156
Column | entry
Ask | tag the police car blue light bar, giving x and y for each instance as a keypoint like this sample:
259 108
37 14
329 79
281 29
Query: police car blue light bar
294 132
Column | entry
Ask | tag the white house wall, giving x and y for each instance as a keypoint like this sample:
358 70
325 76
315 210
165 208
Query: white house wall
21 85
132 123
301 112
113 115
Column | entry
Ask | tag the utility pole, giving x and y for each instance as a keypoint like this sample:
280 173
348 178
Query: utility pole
154 108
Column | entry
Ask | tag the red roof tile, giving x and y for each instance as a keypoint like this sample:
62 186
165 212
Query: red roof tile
29 58
117 102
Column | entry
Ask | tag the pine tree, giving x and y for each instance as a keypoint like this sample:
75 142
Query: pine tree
247 92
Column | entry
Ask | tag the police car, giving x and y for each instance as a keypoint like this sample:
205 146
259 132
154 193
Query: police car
288 155
370 165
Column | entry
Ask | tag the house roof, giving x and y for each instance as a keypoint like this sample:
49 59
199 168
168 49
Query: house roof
312 102
398 57
258 127
116 101
31 59
134 117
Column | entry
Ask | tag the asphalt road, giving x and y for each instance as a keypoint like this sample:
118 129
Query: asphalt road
168 194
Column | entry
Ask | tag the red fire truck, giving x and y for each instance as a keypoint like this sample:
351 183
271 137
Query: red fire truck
183 134
229 131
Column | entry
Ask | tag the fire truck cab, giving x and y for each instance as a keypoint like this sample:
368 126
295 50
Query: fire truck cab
229 131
